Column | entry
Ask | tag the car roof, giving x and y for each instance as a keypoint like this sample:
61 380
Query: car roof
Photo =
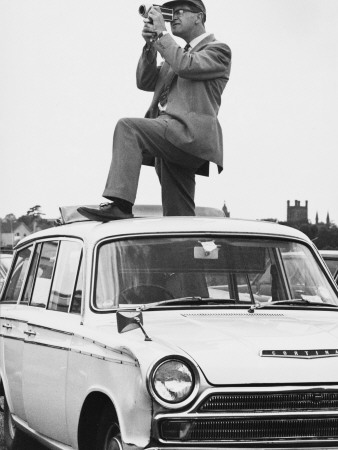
91 231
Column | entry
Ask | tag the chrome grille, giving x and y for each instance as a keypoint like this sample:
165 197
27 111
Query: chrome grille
271 401
254 429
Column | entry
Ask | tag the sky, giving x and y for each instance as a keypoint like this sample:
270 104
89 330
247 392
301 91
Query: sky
68 75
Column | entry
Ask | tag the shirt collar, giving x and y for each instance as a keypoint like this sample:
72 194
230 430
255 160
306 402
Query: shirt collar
198 39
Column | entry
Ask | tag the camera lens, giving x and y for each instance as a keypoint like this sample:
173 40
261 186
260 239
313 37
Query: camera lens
142 10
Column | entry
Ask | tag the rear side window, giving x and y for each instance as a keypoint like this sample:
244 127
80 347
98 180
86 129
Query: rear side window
18 275
44 273
65 278
31 275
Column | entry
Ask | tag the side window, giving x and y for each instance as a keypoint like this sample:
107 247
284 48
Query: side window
31 275
66 282
18 275
44 274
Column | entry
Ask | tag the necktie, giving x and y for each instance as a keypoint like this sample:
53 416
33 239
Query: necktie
163 99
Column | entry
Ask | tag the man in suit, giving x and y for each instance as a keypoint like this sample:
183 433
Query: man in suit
180 134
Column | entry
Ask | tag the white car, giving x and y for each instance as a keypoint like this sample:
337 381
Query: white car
169 333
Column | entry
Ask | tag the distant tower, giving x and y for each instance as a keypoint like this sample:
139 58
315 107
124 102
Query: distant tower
225 210
328 223
317 218
297 213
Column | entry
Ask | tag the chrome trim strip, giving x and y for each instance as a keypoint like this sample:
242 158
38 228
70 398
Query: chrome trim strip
14 338
13 319
54 330
258 445
31 240
106 347
300 354
104 358
241 313
41 344
248 415
80 352
239 446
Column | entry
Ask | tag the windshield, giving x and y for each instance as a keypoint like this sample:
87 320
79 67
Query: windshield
223 270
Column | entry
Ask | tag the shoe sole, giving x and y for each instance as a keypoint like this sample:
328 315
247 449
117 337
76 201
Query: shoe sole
99 218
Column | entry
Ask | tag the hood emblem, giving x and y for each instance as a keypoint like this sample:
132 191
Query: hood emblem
306 354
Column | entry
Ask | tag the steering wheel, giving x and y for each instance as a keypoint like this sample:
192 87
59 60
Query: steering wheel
144 293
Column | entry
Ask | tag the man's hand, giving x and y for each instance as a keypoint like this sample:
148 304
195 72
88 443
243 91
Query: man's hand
158 22
148 32
153 25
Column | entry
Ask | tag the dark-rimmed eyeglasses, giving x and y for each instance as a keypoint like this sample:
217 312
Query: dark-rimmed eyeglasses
181 11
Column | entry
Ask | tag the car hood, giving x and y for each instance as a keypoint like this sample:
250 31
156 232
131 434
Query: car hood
227 344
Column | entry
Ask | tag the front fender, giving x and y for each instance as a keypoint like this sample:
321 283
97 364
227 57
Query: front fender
118 378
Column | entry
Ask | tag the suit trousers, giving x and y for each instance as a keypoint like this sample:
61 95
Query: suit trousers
175 168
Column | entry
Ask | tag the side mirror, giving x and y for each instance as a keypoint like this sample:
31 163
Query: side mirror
130 320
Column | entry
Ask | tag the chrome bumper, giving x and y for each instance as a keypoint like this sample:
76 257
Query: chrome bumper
241 448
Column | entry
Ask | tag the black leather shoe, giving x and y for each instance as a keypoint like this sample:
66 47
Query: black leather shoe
106 212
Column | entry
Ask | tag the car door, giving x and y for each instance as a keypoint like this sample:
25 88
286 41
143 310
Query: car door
13 324
54 287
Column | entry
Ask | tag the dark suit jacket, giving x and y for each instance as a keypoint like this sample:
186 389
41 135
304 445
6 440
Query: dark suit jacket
195 94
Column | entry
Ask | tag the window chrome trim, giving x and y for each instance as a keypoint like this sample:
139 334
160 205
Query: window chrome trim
34 243
5 286
206 234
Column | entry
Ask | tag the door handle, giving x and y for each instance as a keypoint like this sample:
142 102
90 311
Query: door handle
30 332
8 326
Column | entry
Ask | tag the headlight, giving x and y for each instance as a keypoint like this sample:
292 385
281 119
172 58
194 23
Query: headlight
173 382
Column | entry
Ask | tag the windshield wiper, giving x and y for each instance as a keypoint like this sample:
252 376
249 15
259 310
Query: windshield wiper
300 301
185 300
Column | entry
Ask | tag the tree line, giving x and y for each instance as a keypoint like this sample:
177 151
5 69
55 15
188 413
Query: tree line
324 236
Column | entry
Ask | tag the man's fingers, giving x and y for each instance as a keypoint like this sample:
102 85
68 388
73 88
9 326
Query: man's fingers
156 8
148 30
148 26
154 12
